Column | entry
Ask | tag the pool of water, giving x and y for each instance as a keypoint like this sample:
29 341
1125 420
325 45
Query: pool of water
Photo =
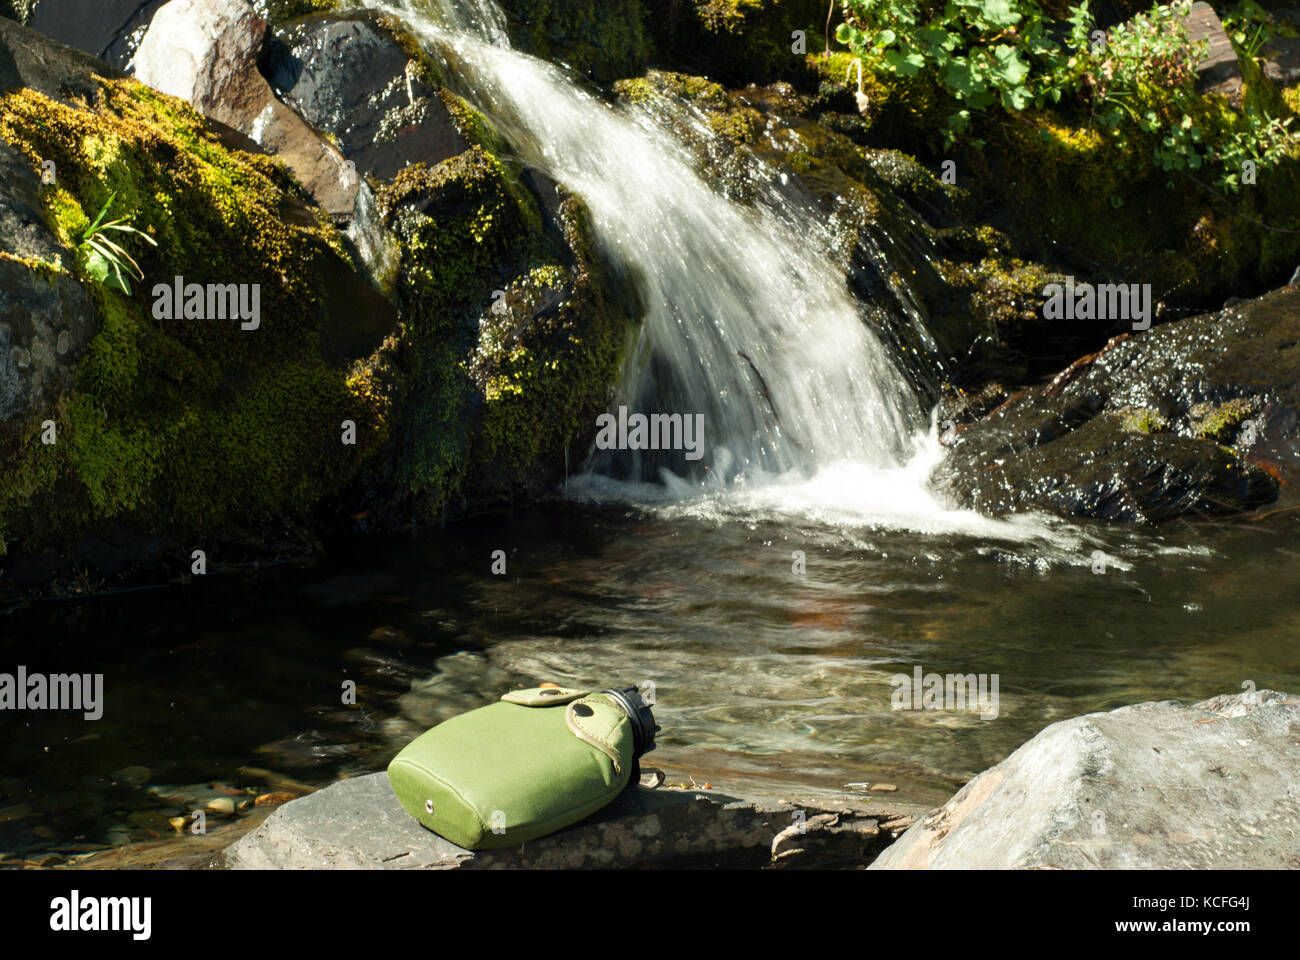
762 674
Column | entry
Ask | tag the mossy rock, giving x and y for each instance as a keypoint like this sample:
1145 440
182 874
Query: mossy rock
512 331
1142 420
738 41
191 426
1221 421
600 39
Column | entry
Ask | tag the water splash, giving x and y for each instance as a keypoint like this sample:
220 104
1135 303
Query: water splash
749 320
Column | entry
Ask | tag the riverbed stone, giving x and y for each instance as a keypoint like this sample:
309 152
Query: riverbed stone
1194 417
359 824
1151 786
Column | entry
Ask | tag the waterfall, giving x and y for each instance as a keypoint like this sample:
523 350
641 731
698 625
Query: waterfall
748 318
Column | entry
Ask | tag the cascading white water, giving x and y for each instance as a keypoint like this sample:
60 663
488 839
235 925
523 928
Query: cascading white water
748 319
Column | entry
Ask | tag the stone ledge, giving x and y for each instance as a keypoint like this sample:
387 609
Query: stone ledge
358 824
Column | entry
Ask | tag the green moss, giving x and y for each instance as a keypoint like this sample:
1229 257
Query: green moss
49 270
1220 421
660 83
742 125
1142 420
481 221
478 130
508 331
1291 97
543 387
183 426
455 223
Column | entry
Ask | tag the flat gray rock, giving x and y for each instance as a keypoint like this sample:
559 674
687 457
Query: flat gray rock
1152 786
358 824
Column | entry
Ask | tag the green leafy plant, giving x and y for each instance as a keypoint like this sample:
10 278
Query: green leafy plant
104 259
1144 81
1249 26
1138 82
981 52
1150 59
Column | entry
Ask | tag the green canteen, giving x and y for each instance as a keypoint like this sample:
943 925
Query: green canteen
528 765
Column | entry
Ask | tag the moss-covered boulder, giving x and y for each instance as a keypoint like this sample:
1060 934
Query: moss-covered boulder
512 330
1197 417
189 426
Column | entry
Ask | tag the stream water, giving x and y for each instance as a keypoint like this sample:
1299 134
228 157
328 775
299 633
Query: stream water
770 599
763 678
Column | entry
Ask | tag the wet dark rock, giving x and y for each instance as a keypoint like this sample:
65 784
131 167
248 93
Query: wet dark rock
1152 786
348 77
358 824
1194 417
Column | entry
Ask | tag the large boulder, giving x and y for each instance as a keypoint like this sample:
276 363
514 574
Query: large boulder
1151 786
358 824
206 52
350 78
1194 417
167 423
